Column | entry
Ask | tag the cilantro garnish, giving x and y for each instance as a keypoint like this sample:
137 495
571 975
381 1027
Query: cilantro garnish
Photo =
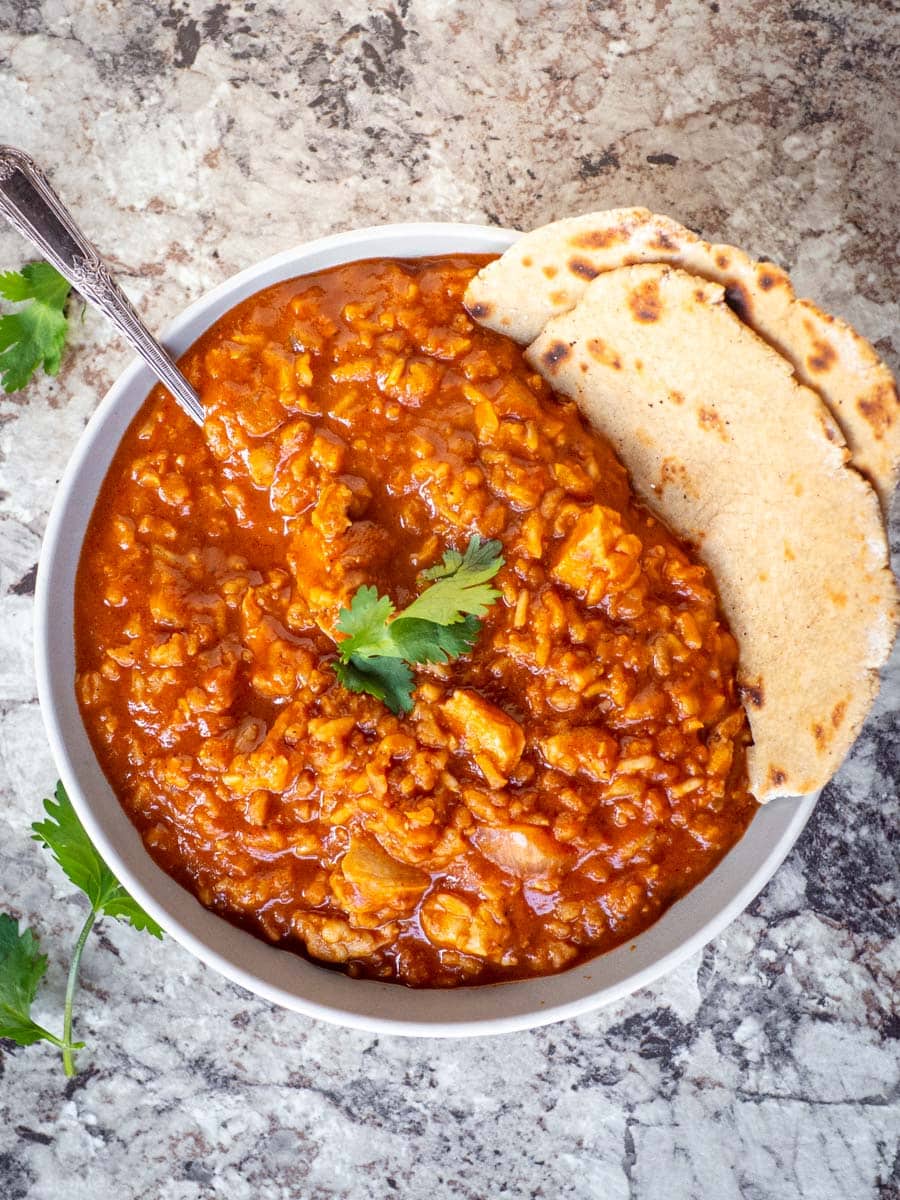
63 835
387 679
439 625
35 335
22 966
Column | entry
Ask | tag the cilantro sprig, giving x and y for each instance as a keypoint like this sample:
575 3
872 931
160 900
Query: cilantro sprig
442 623
22 966
36 334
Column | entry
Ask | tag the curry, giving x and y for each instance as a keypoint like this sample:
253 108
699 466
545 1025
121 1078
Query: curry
551 792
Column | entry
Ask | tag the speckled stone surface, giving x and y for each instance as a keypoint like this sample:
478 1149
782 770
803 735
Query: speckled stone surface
193 139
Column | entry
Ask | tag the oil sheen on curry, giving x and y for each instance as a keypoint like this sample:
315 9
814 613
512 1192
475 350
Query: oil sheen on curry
550 794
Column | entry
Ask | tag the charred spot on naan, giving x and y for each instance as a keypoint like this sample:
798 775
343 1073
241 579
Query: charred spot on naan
480 311
752 693
645 302
710 420
738 300
673 473
768 276
582 268
604 354
823 357
598 239
880 408
550 272
554 355
829 428
825 736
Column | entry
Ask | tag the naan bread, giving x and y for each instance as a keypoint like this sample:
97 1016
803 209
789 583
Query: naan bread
748 464
546 272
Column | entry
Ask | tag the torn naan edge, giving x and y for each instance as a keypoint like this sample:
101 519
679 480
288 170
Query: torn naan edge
746 463
546 272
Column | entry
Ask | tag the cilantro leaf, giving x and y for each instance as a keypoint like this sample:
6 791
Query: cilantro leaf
387 679
22 968
35 335
62 833
426 641
365 623
481 562
460 585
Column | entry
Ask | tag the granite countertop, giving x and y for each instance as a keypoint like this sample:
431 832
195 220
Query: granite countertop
193 139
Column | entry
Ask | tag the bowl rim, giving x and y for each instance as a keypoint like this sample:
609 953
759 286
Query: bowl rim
474 1011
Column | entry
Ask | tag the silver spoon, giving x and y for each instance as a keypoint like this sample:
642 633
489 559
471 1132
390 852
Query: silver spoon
30 204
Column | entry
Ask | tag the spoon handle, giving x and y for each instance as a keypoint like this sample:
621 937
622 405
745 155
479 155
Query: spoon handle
30 204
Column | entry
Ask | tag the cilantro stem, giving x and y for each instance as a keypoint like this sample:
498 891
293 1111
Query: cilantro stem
51 1037
67 1046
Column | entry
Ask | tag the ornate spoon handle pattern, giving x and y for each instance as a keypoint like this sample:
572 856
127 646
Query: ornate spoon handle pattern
30 204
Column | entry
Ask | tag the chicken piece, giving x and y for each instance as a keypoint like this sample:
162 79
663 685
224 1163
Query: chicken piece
264 769
494 739
330 515
373 886
328 573
526 851
598 556
167 601
340 502
463 924
334 939
585 750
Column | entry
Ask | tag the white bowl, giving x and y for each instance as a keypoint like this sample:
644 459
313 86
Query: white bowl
277 975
